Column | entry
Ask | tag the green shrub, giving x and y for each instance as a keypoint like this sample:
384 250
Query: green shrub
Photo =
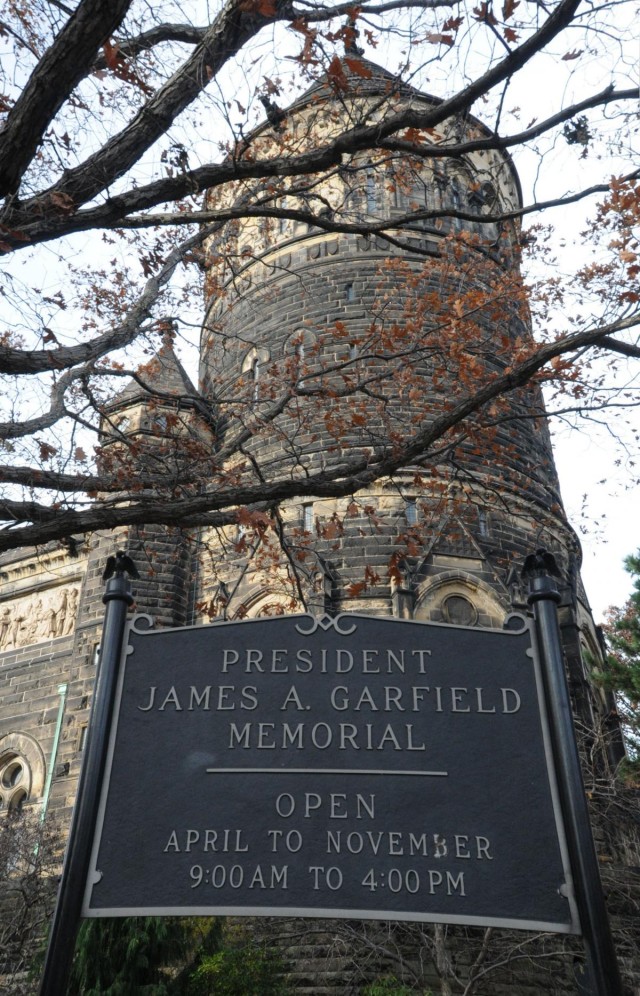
243 971
388 985
138 956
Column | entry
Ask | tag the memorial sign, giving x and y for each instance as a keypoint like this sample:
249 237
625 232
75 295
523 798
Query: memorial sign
354 766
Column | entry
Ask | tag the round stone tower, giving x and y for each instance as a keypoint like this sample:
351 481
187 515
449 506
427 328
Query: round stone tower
333 356
347 349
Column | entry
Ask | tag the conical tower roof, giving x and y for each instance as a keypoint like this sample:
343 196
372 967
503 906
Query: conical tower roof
163 375
353 74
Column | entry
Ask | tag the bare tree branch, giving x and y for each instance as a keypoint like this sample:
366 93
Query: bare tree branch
315 177
236 24
343 478
20 361
186 34
24 226
233 28
64 64
624 348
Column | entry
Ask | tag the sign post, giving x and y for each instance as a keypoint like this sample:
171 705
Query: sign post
602 963
66 916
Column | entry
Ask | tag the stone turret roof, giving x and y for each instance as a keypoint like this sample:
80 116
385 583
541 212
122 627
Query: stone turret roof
362 77
162 375
368 79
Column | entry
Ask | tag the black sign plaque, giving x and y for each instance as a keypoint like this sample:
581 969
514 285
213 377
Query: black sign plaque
354 766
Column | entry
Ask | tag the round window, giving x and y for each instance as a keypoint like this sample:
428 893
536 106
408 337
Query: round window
12 774
459 611
15 781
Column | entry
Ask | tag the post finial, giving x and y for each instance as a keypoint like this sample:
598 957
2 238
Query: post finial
540 564
120 565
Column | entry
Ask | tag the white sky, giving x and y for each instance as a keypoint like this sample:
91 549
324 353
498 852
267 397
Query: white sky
600 484
612 523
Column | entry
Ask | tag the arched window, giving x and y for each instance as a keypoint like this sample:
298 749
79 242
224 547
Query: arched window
300 344
264 606
459 599
457 203
300 348
456 197
253 368
255 376
283 223
370 191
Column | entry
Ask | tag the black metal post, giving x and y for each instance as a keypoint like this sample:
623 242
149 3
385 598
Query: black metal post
66 917
602 963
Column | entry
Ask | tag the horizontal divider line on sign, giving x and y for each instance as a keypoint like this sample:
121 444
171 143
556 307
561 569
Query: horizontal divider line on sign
323 771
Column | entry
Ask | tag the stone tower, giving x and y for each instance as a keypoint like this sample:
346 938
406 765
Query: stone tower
325 313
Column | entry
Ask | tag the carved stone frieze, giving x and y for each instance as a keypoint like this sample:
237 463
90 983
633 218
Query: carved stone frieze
42 615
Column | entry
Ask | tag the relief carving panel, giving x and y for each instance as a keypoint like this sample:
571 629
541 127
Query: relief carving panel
43 615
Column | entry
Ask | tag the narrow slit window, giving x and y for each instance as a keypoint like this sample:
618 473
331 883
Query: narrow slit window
299 356
255 376
307 517
283 222
370 190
